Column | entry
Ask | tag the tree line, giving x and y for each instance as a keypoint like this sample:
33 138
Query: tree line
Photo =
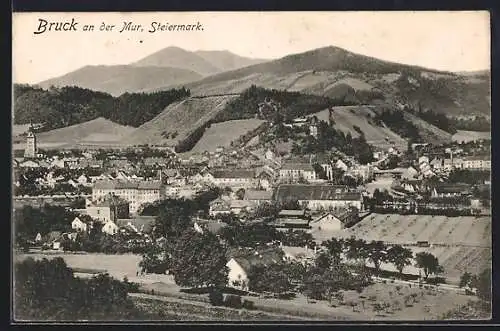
289 104
61 107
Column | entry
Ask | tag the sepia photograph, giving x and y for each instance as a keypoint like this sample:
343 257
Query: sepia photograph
251 166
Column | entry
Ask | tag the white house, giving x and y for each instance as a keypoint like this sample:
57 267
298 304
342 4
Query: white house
110 228
240 265
327 222
341 165
79 225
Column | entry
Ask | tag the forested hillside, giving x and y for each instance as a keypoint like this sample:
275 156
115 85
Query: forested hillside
61 107
289 104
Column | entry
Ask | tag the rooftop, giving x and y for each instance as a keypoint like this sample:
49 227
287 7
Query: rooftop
297 166
233 173
258 195
315 192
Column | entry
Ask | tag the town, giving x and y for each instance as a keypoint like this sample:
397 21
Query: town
286 210
334 169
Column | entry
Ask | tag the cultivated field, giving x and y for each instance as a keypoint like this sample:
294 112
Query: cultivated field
460 243
466 136
349 116
222 134
178 119
97 130
428 132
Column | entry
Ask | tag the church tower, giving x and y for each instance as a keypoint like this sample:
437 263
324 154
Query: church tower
30 151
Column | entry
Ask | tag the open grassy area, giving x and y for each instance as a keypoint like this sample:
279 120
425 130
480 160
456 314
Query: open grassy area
222 134
467 136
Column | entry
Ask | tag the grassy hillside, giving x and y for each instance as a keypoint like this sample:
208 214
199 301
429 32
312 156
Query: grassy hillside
428 132
116 80
60 107
99 130
346 118
321 71
222 134
178 120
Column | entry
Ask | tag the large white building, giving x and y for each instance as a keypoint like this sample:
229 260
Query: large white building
136 193
320 197
477 162
293 172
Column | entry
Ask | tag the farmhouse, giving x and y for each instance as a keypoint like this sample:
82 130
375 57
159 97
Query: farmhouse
110 228
240 265
219 207
79 225
320 197
335 221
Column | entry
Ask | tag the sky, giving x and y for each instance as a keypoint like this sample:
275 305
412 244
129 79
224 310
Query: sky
451 41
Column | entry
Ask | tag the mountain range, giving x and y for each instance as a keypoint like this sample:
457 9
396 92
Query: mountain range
169 66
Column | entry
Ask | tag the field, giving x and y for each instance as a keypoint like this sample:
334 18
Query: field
429 132
460 243
178 120
222 134
349 116
466 136
99 130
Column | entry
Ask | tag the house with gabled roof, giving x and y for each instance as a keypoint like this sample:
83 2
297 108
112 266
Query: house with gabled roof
318 197
219 206
240 265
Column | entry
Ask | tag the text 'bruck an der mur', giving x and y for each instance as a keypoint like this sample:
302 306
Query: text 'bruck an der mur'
73 25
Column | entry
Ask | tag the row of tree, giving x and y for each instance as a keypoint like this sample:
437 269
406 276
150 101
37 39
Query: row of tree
61 107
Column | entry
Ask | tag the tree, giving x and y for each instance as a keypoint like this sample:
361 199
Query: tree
400 257
273 278
240 193
483 285
377 253
320 171
199 260
47 290
428 263
465 280
156 259
356 249
334 248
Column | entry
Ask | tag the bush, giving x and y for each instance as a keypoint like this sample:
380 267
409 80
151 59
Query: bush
233 301
216 298
248 304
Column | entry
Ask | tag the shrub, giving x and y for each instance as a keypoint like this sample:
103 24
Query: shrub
233 301
216 298
248 304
